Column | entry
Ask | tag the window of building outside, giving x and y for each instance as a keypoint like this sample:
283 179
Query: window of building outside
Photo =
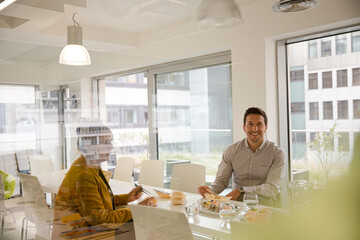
326 47
342 109
312 46
327 79
297 107
313 81
341 44
343 142
355 41
356 76
341 78
314 110
297 75
334 133
356 109
327 110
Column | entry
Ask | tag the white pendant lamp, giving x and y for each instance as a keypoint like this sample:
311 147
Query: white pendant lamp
74 53
294 5
218 14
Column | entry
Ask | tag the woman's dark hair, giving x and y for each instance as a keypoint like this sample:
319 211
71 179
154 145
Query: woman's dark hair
256 110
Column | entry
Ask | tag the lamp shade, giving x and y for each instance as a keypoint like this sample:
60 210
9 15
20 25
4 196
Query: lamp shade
74 53
294 5
218 14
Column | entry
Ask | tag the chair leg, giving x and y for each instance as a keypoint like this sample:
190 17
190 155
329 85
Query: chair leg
2 222
22 228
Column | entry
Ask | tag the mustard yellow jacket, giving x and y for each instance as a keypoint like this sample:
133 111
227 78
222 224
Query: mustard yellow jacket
83 191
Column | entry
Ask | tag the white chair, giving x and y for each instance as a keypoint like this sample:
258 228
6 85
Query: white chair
187 177
124 169
156 223
152 173
35 203
41 164
9 205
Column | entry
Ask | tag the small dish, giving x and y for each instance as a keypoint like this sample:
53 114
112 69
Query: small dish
162 194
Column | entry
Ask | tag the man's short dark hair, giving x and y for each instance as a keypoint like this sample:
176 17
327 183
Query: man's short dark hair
256 110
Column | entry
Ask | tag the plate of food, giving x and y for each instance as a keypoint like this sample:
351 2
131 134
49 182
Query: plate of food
261 215
212 206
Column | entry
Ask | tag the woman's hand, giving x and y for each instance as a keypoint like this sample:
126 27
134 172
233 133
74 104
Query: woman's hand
149 201
135 194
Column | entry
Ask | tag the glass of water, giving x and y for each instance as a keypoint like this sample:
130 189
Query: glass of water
192 207
227 212
251 200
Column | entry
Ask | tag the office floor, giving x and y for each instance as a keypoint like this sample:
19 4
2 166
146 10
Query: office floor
15 234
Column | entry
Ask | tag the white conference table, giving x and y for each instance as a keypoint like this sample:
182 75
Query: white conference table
207 224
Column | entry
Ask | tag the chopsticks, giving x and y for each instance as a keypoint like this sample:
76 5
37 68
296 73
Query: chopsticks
208 189
144 190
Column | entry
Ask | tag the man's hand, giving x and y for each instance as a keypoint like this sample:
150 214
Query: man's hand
149 201
204 189
234 194
135 194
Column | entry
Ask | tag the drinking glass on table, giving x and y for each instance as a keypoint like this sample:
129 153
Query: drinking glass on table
251 200
227 212
192 207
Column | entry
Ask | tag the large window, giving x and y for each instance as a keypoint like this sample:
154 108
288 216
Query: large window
331 119
194 116
187 119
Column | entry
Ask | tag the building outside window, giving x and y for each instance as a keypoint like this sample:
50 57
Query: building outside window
312 46
313 81
327 110
356 108
356 76
327 79
342 109
341 78
339 106
326 47
314 110
355 41
340 44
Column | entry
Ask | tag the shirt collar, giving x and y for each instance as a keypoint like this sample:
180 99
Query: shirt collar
259 148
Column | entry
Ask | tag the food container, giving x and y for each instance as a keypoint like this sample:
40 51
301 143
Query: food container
177 198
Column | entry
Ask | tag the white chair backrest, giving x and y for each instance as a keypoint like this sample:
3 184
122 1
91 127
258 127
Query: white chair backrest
32 191
152 173
124 169
187 177
156 223
40 164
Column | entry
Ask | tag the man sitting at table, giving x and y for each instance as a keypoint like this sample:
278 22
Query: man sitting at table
256 164
85 191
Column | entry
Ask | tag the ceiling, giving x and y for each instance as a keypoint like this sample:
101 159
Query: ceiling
107 24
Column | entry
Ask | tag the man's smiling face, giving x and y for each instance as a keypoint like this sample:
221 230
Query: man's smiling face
255 128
